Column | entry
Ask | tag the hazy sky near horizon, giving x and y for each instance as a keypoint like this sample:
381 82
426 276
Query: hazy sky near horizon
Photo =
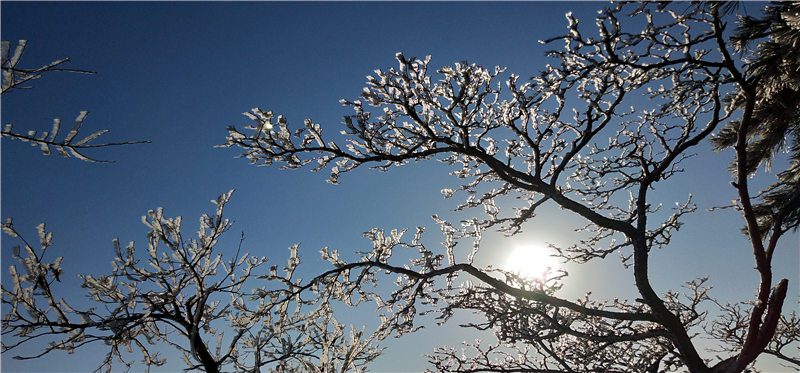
178 73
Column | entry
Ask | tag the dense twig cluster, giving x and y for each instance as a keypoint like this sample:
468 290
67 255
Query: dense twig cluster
186 296
600 161
568 137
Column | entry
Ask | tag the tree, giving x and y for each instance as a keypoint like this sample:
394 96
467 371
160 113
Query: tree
15 77
181 295
771 97
600 161
185 294
773 92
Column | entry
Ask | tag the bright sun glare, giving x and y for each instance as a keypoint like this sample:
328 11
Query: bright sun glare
531 261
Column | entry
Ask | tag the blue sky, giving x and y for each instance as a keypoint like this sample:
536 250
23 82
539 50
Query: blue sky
178 73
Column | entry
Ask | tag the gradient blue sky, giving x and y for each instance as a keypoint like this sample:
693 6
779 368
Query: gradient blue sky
178 73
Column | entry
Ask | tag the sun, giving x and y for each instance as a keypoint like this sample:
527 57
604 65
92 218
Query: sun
531 261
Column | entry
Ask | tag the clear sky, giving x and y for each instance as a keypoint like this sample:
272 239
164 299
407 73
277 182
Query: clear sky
178 73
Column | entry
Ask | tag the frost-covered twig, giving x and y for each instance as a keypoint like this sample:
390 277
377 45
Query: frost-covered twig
14 77
182 293
48 139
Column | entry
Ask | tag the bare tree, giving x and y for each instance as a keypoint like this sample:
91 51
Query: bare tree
15 77
568 137
185 294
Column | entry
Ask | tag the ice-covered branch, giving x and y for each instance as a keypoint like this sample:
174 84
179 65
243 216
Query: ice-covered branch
14 77
48 139
181 293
